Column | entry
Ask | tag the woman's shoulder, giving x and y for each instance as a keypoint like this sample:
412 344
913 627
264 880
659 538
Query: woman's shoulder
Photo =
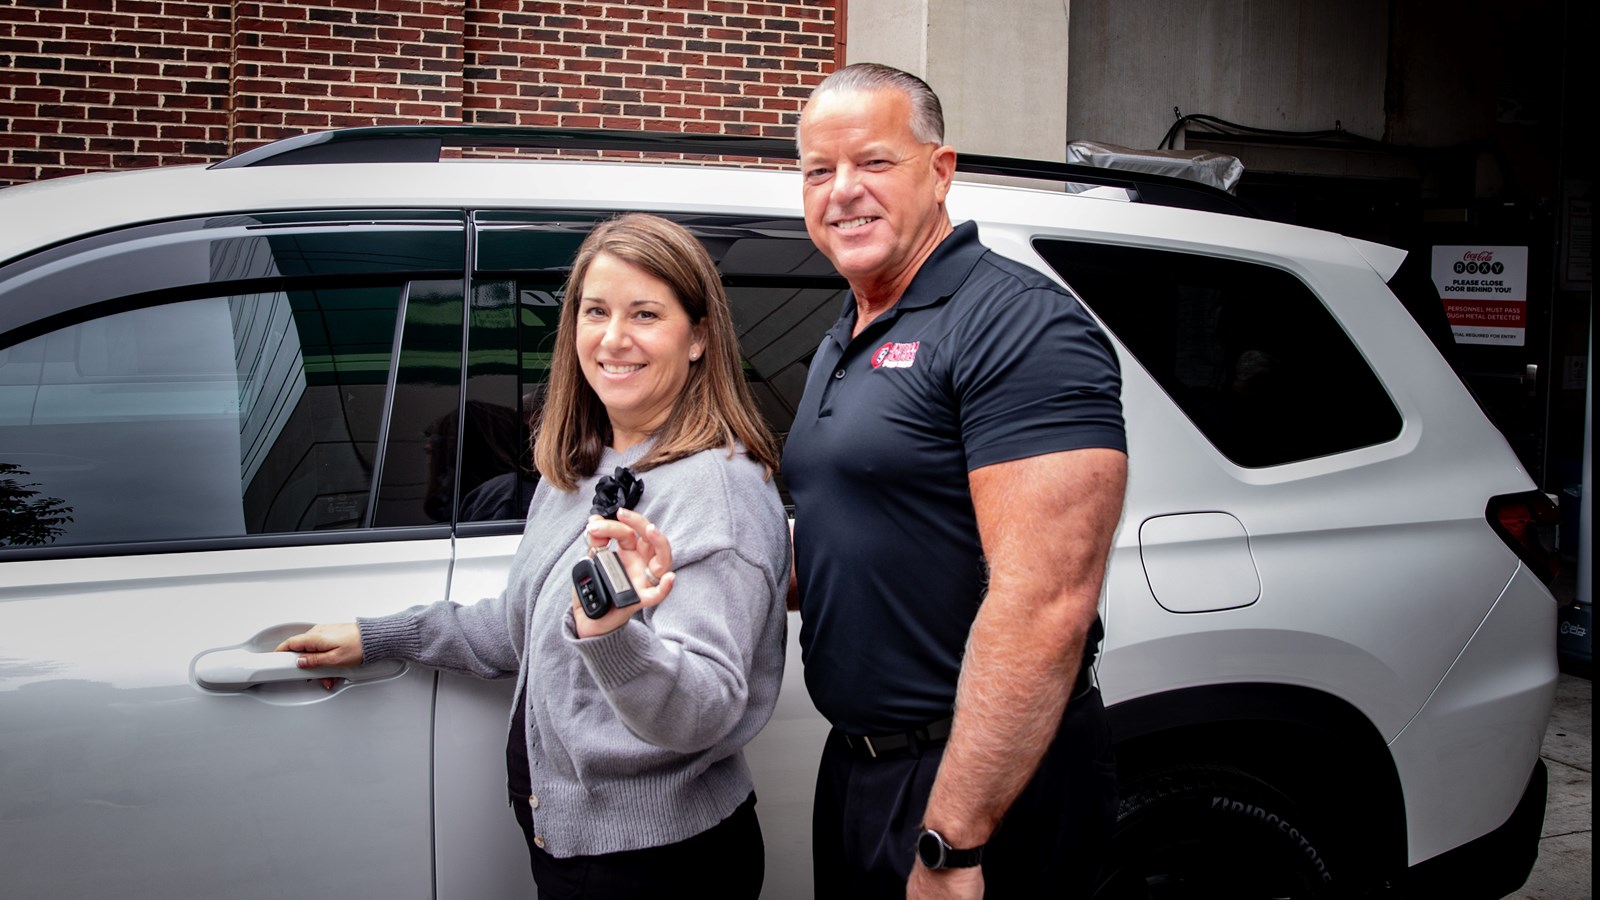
733 468
723 498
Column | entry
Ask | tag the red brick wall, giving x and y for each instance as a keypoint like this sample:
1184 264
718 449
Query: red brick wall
714 66
94 85
88 85
306 66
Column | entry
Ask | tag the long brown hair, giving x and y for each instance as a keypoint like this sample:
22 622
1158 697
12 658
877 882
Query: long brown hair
715 408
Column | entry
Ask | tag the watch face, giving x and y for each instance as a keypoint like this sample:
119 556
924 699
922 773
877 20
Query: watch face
930 849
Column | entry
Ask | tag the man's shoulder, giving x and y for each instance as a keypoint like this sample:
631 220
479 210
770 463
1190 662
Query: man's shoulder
995 273
999 290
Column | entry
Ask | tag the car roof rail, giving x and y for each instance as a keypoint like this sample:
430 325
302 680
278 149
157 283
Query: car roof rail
423 143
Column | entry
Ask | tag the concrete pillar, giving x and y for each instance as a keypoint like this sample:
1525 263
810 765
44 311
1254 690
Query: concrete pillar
1000 69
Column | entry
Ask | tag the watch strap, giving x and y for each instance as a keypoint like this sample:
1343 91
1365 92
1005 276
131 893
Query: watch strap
936 853
962 859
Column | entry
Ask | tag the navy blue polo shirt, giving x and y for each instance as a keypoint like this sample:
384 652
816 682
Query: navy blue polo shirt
981 361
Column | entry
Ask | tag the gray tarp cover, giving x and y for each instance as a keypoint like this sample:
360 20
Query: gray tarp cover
1216 169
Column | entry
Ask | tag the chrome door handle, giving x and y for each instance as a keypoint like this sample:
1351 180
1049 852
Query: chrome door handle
239 668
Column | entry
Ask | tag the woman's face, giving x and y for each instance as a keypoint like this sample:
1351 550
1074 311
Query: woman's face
635 346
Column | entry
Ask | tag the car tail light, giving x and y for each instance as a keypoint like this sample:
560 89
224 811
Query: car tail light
1516 518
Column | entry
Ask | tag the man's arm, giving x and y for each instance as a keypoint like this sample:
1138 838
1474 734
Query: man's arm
1046 524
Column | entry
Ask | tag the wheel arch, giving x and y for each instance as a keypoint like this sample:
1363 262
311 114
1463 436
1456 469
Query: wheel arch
1313 746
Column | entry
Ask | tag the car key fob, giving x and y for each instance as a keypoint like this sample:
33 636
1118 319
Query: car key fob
602 583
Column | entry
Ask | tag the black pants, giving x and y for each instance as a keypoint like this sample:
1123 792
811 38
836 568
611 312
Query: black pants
869 811
727 860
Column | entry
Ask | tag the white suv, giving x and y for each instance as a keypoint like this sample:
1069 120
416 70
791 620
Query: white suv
292 388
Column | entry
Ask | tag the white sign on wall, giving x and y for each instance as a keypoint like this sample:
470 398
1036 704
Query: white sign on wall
1485 293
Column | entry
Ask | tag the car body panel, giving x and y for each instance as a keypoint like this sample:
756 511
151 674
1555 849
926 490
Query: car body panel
783 760
1486 715
481 851
108 744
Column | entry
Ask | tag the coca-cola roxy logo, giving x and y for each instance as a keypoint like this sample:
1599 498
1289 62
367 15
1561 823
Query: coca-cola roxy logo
1478 262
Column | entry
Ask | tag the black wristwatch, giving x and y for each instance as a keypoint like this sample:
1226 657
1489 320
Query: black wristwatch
936 853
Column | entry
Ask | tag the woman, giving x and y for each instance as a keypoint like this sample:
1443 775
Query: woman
625 758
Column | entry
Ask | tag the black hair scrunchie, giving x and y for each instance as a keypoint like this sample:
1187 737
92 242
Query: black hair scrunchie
619 490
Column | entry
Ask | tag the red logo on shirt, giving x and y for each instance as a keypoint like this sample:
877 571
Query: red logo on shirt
896 356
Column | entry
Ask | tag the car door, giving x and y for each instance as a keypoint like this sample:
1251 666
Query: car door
213 433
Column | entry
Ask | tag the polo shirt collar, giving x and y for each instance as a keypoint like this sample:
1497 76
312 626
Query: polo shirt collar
944 271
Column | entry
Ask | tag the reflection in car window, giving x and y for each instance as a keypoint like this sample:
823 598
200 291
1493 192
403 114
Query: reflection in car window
419 445
1248 352
40 291
508 365
249 413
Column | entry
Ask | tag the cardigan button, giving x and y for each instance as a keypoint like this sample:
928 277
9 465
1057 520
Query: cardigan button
533 800
538 842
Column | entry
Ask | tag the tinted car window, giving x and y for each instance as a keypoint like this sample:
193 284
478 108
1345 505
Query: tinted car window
779 330
511 327
419 459
228 376
153 263
1248 352
242 414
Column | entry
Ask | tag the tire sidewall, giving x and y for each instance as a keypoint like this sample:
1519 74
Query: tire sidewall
1211 831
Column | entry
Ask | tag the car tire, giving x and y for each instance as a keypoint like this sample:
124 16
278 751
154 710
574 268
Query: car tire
1210 832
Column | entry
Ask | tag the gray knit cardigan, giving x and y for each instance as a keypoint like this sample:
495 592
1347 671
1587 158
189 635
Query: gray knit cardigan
635 737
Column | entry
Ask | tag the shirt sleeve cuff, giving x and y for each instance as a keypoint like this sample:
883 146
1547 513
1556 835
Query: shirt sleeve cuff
390 637
615 658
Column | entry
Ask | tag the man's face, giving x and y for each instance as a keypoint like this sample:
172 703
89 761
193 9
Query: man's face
874 194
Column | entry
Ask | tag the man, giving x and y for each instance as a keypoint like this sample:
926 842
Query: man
957 465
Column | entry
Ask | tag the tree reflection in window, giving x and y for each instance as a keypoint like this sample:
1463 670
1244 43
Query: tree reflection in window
24 520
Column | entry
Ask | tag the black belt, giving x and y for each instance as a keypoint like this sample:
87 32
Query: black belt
913 743
875 746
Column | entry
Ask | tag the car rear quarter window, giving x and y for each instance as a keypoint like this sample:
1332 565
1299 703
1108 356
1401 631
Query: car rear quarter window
1248 352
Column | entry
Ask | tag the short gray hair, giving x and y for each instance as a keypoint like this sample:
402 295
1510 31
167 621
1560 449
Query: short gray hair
927 115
